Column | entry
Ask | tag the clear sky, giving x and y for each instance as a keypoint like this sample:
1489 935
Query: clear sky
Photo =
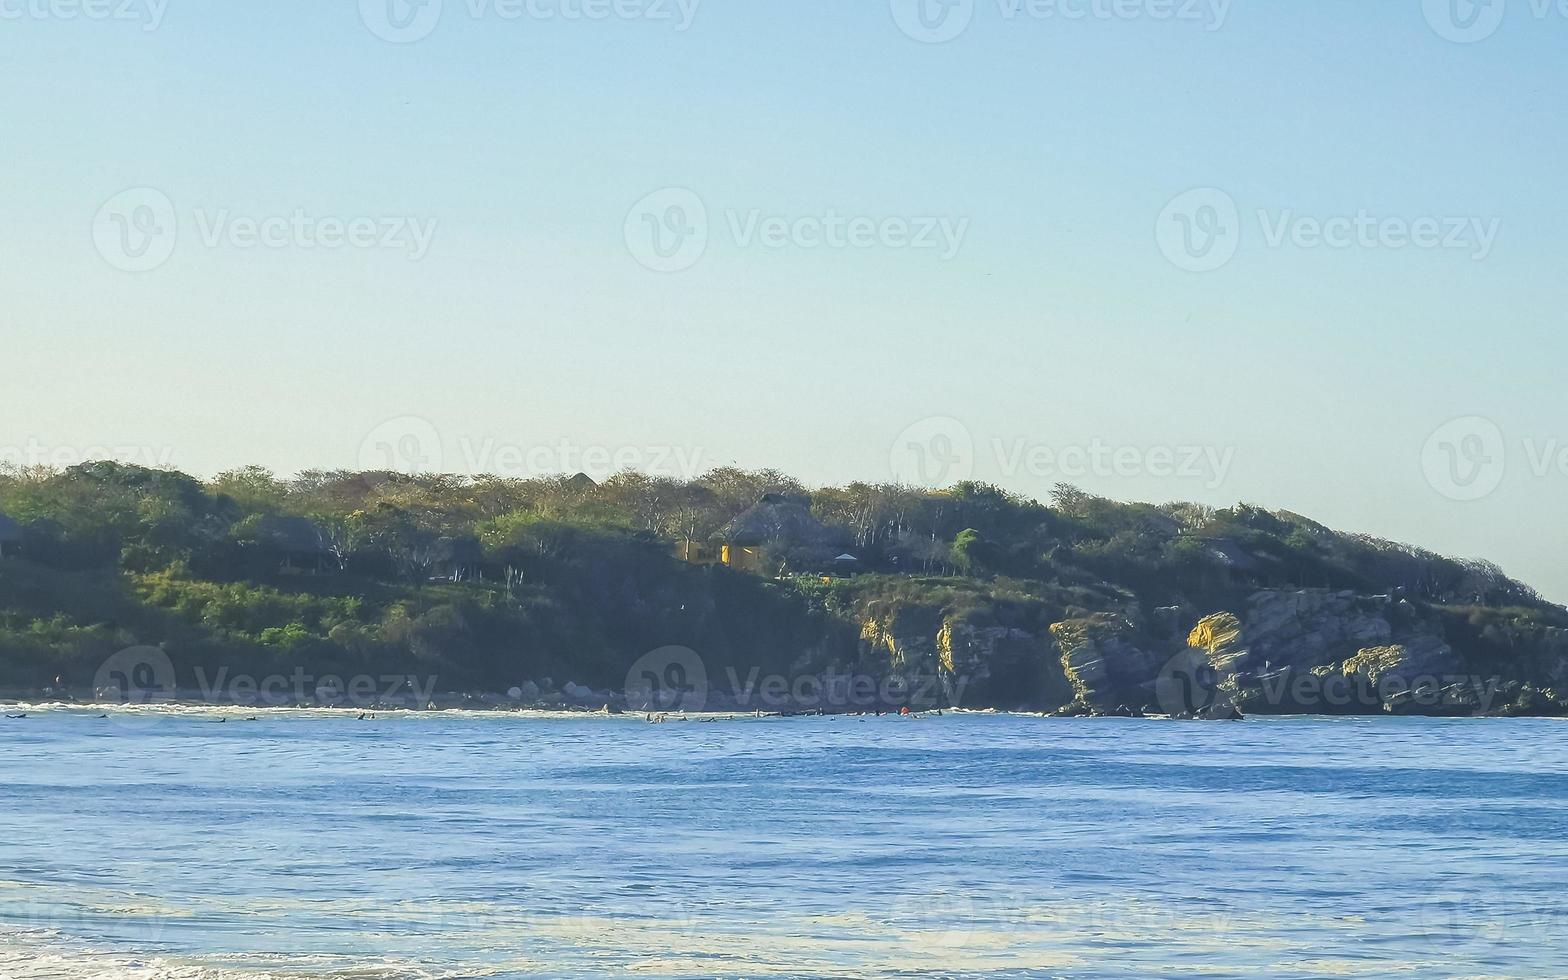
835 238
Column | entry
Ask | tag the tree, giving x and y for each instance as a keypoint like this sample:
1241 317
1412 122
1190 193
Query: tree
253 488
973 554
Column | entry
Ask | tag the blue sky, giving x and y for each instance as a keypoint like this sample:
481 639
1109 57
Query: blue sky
1056 325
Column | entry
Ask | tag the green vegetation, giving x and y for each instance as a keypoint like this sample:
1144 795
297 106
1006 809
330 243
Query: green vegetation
488 582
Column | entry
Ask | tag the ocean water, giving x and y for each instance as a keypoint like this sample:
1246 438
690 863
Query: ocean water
309 844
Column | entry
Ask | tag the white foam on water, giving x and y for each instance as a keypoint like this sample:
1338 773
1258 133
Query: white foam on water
42 955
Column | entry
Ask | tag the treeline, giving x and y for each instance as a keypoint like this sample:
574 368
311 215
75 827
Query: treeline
487 580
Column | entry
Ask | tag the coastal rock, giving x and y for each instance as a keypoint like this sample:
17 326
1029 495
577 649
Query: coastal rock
1220 637
1422 657
582 694
898 646
959 661
1309 628
999 665
1104 660
1169 619
1422 676
903 638
1318 650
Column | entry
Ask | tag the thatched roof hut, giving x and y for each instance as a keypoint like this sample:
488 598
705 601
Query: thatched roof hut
777 517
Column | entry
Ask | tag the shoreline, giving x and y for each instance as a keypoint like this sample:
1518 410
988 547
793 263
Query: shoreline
10 707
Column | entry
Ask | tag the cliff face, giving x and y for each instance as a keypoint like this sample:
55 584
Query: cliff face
1334 652
1280 651
1107 661
965 662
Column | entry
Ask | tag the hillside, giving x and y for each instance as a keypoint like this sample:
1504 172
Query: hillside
559 590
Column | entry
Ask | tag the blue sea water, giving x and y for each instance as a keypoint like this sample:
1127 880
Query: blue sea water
309 844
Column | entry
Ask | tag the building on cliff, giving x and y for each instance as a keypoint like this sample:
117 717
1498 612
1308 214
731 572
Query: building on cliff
778 533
